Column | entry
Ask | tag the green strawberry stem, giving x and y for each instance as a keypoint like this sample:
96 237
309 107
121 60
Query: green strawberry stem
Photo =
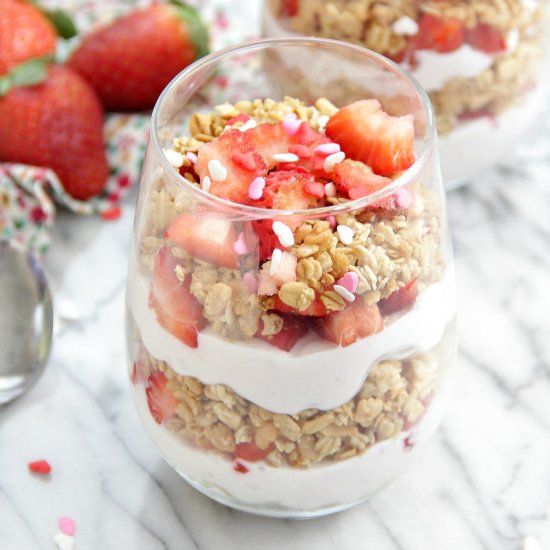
31 72
198 33
60 19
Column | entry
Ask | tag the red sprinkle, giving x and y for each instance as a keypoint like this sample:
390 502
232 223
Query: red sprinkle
243 117
246 160
241 468
301 150
112 214
408 444
41 467
315 189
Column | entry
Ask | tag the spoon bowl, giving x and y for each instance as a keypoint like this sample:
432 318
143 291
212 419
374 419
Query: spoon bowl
26 320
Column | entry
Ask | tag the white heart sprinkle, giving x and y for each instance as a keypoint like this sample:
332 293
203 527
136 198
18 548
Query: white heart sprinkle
206 183
322 121
218 172
405 26
332 160
285 157
330 189
276 258
174 158
248 125
63 541
344 292
345 234
284 234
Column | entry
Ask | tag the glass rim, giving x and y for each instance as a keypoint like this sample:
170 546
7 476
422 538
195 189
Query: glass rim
256 212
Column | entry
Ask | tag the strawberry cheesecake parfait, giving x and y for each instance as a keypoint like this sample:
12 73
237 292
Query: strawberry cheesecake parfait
481 61
290 298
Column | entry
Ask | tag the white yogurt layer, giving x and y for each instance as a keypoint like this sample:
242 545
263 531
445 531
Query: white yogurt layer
315 374
478 144
278 489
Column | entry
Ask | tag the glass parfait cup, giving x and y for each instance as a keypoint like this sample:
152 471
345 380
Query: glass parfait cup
482 63
299 390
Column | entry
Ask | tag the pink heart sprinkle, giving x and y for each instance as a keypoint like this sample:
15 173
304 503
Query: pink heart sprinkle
67 526
192 157
332 221
250 281
240 247
349 281
327 149
291 125
256 189
403 198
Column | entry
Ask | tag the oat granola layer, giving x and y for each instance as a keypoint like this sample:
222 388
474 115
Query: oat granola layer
380 26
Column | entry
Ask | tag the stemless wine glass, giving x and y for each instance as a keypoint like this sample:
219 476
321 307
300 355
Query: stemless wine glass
288 363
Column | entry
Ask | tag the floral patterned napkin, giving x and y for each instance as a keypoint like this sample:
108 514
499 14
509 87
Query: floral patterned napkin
29 195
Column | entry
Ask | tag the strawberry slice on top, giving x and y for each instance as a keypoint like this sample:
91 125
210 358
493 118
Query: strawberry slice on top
268 140
206 238
176 309
235 151
358 320
357 180
162 403
367 133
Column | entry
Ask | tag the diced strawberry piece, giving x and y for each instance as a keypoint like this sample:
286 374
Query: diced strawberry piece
268 140
251 452
207 239
401 299
315 189
177 310
162 404
267 239
243 117
240 468
441 35
486 38
235 187
358 320
368 134
294 328
291 7
309 137
316 309
249 161
41 467
357 179
301 150
288 189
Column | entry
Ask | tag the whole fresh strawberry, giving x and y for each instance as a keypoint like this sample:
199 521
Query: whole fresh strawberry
25 33
131 61
57 124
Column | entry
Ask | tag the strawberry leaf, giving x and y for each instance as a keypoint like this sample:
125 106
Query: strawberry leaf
198 33
31 72
62 22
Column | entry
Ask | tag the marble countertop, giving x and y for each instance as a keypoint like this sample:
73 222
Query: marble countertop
483 483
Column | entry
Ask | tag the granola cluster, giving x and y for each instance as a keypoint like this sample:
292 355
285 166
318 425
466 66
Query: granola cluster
376 25
392 399
386 252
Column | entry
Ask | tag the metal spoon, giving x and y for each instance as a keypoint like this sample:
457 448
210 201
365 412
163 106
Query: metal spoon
26 320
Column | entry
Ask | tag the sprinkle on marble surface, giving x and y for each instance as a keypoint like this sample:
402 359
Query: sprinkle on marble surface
276 259
67 311
206 183
67 526
345 234
240 247
284 233
111 214
218 172
345 293
256 188
174 158
285 157
63 541
332 160
41 467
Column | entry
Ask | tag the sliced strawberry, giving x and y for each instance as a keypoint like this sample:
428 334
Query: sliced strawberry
366 133
401 299
286 190
268 140
251 452
309 137
224 148
356 321
162 403
357 180
441 35
316 309
208 239
177 310
294 328
486 38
